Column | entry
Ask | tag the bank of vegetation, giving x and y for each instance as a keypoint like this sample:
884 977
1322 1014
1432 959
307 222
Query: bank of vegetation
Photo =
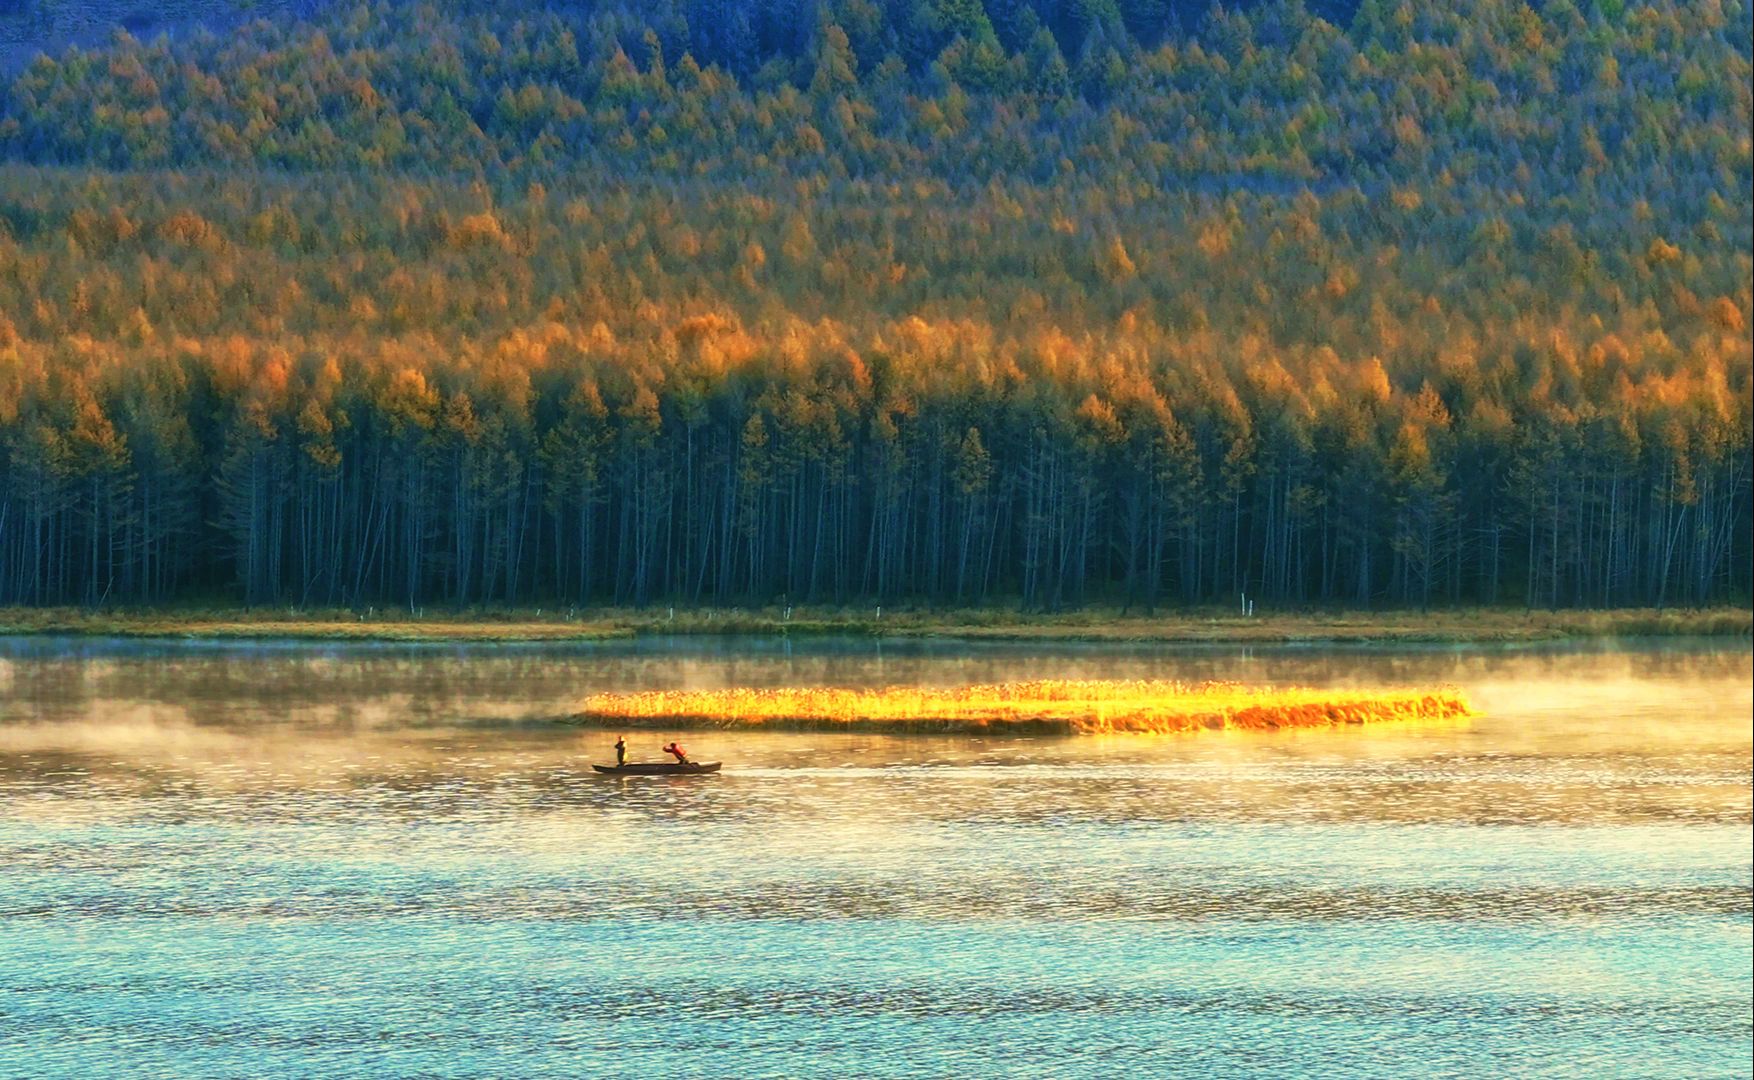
1094 623
1038 707
946 303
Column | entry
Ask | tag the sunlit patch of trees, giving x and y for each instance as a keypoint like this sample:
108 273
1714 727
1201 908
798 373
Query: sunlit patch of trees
962 302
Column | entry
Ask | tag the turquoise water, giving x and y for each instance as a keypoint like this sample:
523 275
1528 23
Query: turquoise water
303 861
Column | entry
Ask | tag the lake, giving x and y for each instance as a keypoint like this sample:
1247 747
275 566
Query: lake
312 860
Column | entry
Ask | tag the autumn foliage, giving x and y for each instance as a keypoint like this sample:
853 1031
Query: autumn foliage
444 304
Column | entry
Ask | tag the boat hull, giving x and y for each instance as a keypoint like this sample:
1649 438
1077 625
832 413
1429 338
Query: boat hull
659 768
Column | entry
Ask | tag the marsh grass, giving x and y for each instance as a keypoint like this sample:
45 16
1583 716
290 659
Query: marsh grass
1049 706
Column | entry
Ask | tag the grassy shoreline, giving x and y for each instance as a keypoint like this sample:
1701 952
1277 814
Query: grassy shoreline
1025 707
1450 626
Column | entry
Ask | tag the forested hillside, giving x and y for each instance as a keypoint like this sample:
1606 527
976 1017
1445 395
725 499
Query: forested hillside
934 300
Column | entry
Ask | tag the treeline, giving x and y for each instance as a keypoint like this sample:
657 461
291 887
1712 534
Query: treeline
454 304
921 460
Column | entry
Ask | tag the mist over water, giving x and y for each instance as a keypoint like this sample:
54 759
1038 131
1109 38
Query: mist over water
304 860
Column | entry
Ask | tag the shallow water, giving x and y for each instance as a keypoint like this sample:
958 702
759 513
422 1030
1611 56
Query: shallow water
337 860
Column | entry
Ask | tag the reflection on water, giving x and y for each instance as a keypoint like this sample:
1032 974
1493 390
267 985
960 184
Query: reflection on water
293 860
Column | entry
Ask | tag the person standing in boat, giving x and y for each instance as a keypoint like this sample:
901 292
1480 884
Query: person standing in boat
676 749
620 751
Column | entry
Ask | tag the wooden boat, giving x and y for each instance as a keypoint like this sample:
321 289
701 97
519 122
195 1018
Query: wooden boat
659 768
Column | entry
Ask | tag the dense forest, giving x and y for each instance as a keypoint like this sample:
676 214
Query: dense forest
941 301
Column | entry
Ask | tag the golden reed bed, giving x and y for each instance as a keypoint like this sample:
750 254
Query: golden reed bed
1048 706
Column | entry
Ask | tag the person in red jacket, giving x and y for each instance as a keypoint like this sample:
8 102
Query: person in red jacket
681 754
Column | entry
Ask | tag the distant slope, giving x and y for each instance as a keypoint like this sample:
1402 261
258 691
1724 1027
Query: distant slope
30 27
784 301
741 35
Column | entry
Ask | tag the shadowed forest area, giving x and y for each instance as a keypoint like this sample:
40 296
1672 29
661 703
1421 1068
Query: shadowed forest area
755 301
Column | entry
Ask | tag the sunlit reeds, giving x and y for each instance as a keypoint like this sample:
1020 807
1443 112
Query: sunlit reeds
1047 706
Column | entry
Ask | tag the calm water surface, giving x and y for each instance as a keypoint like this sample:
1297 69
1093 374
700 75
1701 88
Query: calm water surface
324 861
